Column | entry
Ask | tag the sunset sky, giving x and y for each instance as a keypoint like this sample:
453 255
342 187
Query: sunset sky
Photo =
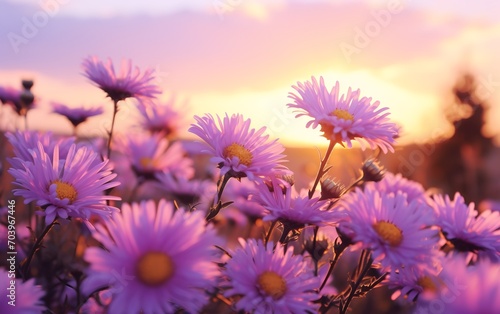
244 55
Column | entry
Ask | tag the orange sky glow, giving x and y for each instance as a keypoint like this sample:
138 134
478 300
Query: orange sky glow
245 56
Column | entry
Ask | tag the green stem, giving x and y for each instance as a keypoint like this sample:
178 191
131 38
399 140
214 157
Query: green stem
321 170
115 111
338 250
271 228
35 248
316 228
26 120
365 263
286 231
217 202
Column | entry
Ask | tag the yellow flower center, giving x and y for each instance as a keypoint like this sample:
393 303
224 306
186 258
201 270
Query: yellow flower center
272 284
389 232
237 150
65 190
427 284
342 114
146 162
155 268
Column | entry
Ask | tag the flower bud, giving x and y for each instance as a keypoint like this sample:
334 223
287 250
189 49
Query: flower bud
330 188
372 170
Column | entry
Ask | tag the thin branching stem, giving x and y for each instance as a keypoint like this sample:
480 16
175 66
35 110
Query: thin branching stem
271 228
365 263
35 248
321 170
115 111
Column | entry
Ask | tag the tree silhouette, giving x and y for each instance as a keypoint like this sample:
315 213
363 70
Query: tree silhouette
455 165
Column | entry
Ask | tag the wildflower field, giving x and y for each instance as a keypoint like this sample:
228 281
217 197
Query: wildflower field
152 223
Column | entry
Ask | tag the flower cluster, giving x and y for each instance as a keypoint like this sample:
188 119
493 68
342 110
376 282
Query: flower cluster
220 224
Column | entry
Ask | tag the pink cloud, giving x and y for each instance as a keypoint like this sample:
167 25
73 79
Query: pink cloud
201 52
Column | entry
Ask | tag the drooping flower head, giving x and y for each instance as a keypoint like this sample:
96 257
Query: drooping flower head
270 282
396 231
471 233
238 149
294 209
156 259
26 295
76 115
163 117
344 118
70 187
149 155
119 86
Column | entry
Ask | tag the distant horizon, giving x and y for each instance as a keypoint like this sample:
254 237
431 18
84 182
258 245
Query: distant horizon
245 57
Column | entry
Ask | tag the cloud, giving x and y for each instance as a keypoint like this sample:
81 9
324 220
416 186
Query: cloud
203 52
257 49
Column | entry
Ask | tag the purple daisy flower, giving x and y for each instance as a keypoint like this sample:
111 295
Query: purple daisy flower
270 281
394 183
344 118
152 154
294 209
476 235
161 117
470 289
242 193
396 231
156 259
239 150
27 296
76 115
128 83
71 187
422 282
24 142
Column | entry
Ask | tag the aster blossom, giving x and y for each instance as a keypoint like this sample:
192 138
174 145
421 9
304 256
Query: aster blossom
422 282
239 150
25 142
150 155
469 289
129 82
242 193
476 235
165 256
162 117
270 281
397 232
394 183
27 296
344 118
294 209
68 188
76 115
